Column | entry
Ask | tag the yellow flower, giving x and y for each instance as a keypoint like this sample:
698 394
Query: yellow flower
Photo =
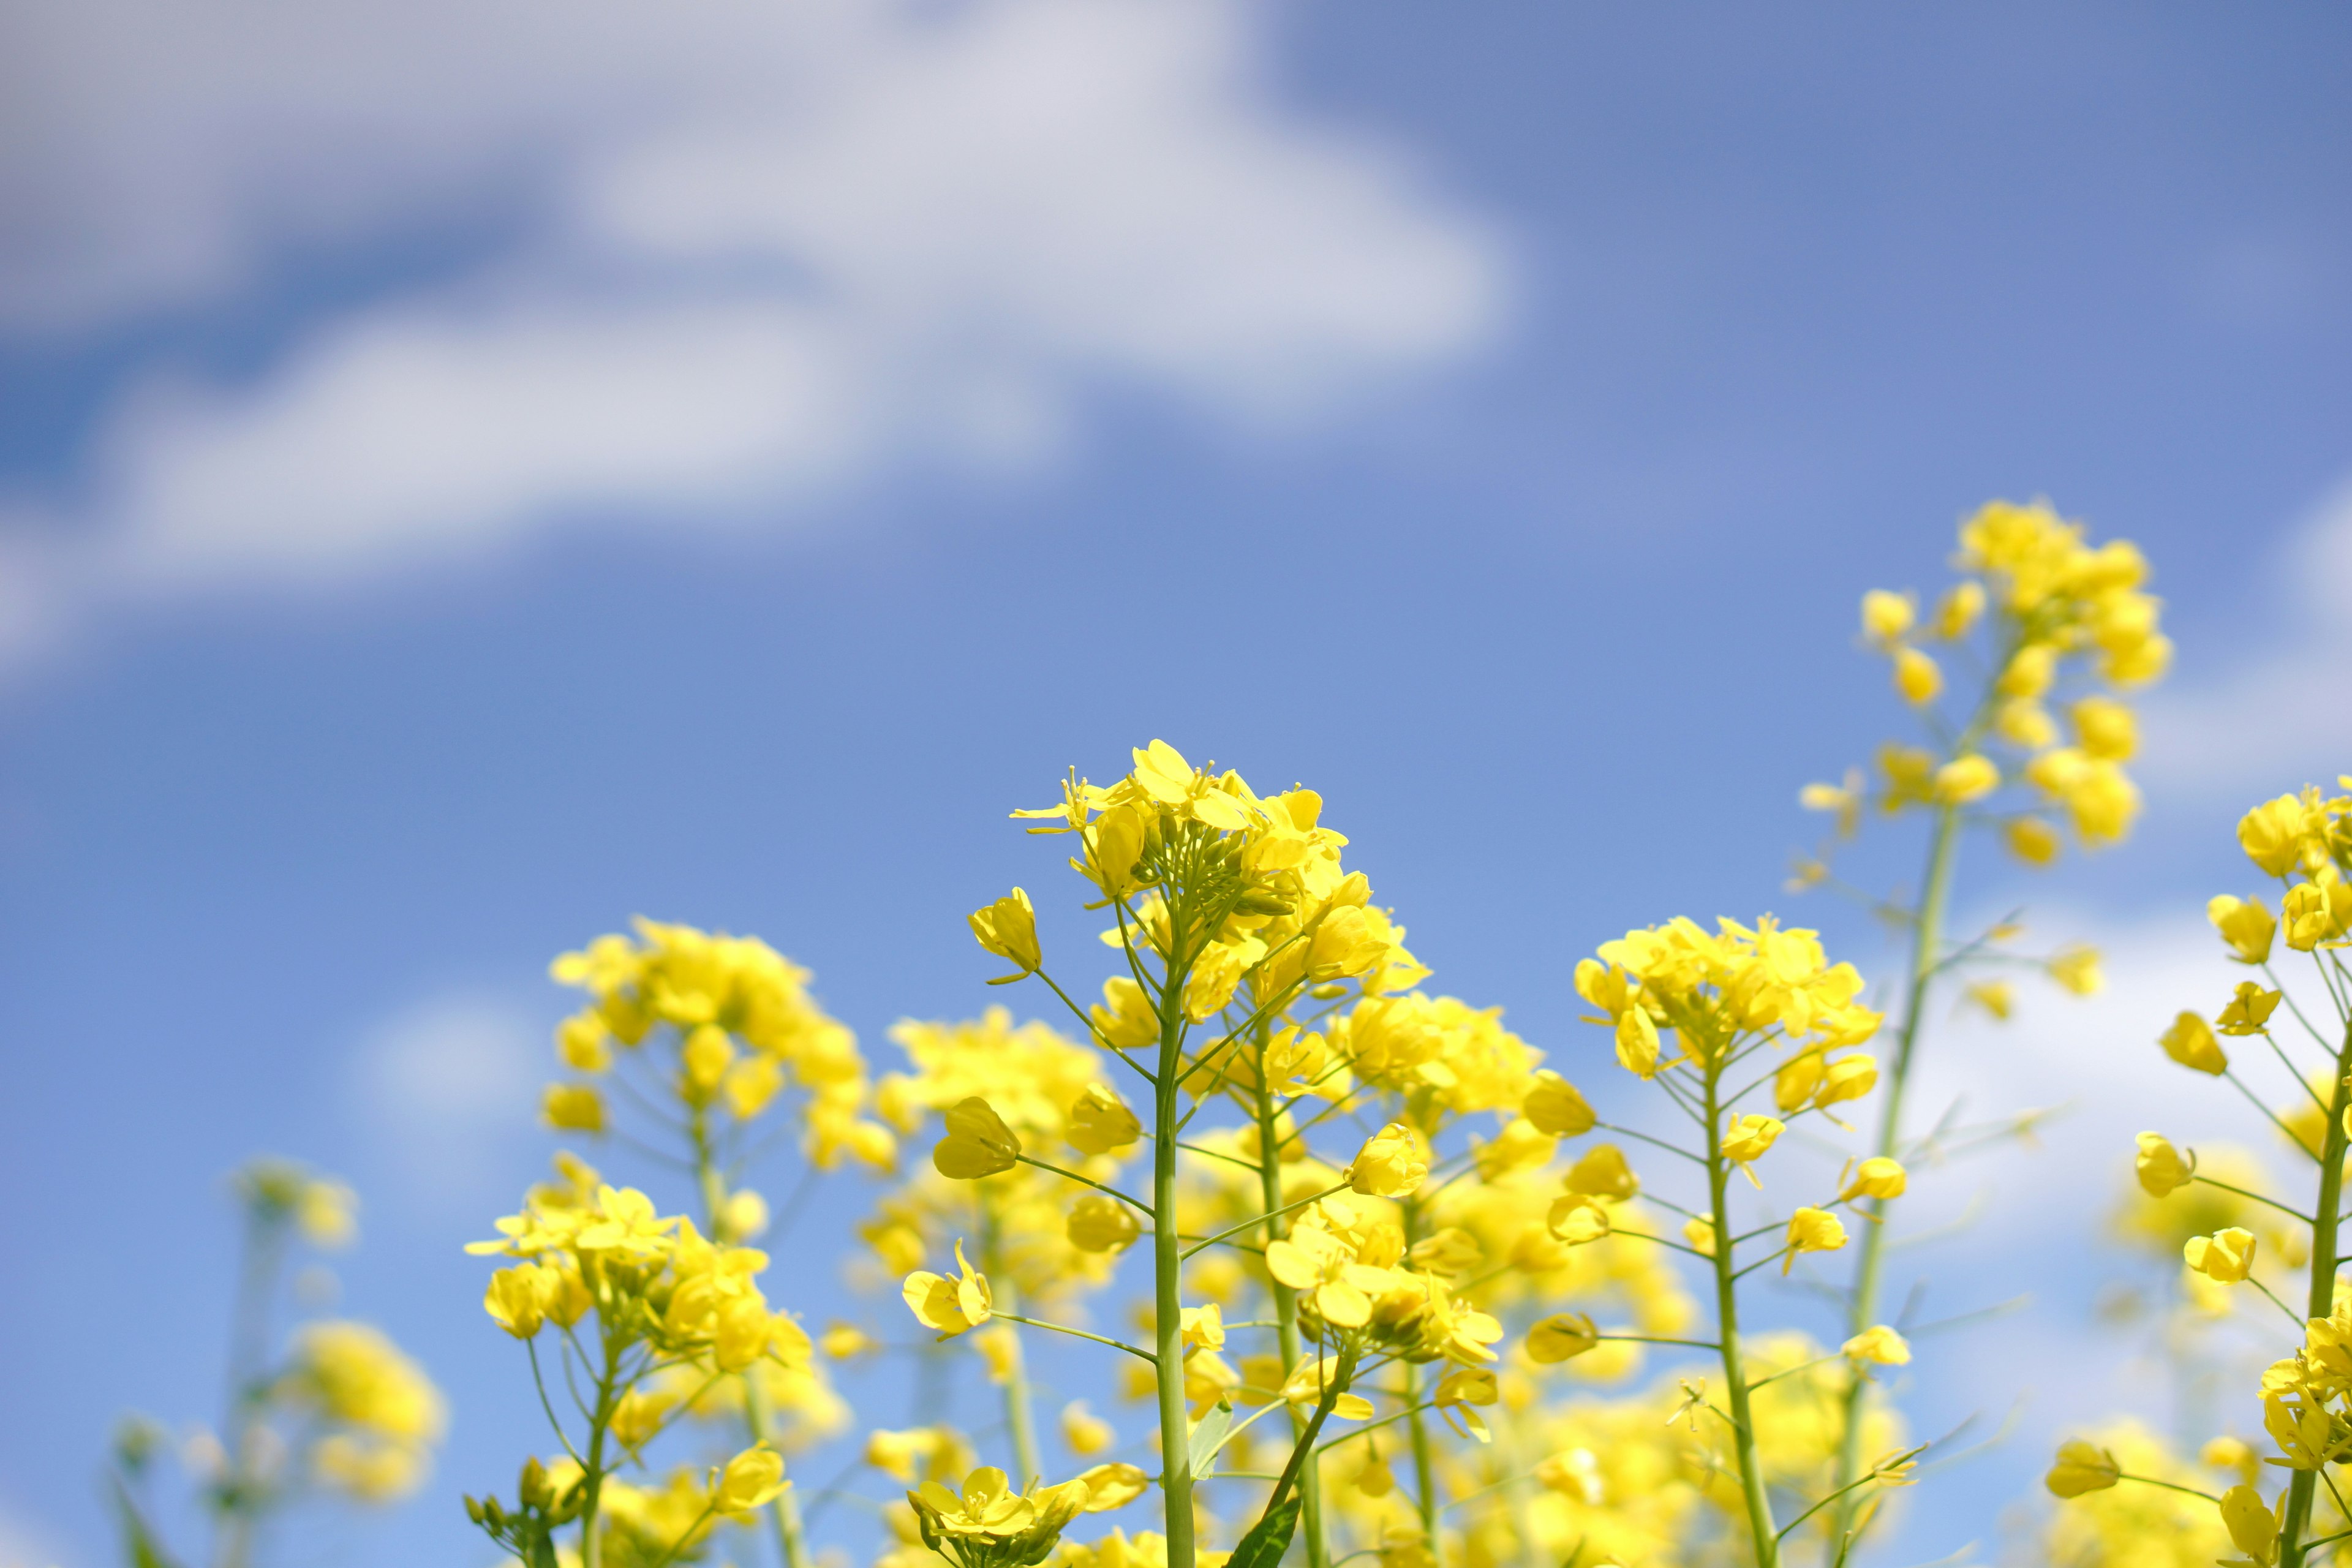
573 1108
2272 835
2313 913
1843 799
1008 927
518 1297
2159 1166
2077 969
1876 1177
2248 1010
1848 1077
1813 1230
2106 728
1112 1487
1578 1219
1099 1222
1700 1232
977 1144
1083 1431
2251 1523
1637 1043
1391 1164
951 1306
1603 1174
2081 1468
1964 779
1555 1106
2245 924
1958 610
1561 1336
2029 672
1881 1345
1100 1121
1916 676
2190 1043
2225 1256
1748 1138
842 1342
1886 616
751 1480
1995 997
2032 841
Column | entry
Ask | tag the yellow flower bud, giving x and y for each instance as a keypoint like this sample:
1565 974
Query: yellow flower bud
2253 1525
1700 1233
1554 1106
1578 1219
751 1480
1561 1336
1603 1174
1813 1230
1958 610
2032 841
584 1042
517 1298
2029 672
1880 1345
1100 1121
2159 1166
1085 1433
1964 779
1008 927
1110 1487
2226 1256
2077 969
1793 1085
2190 1043
573 1108
1848 1077
2025 723
2313 913
1391 1165
1102 1224
2081 1468
2248 1010
977 1144
2106 728
843 1342
1916 676
1886 616
2245 924
1876 1177
706 1058
1748 1138
1637 1043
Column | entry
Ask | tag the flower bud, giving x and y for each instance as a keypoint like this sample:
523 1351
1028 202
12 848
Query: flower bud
1008 927
2081 1468
1561 1336
2159 1166
1555 1106
2226 1256
977 1144
2190 1043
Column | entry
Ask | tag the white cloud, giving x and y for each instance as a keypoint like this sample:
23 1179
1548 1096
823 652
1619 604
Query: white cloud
24 1543
446 1087
2282 715
759 253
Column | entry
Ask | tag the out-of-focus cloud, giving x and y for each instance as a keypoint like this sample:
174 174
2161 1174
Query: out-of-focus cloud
2278 714
756 254
445 1090
24 1544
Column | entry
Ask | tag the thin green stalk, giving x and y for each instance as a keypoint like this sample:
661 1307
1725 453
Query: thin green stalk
1927 937
1286 1312
1726 1312
265 1247
1425 1464
1167 1265
1019 1424
2320 1300
759 1413
592 1543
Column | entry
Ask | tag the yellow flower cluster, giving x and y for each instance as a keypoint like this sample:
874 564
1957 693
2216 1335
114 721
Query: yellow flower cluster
2042 603
736 1027
385 1414
2228 1231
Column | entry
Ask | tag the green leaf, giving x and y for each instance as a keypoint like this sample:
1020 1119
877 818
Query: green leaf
1210 1435
1269 1537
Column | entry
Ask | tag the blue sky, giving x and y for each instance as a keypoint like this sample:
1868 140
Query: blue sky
466 480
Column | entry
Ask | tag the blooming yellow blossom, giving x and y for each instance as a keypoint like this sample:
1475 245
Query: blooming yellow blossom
951 1306
1968 778
1813 1230
2159 1167
1876 1177
574 1106
978 1142
1885 616
2189 1041
2249 1010
2252 1523
2245 924
1008 927
1916 676
1878 1344
1391 1164
1100 1121
2226 1256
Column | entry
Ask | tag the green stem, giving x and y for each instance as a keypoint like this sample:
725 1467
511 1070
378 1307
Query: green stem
2321 1302
759 1413
1167 1267
265 1249
1019 1424
1286 1312
1926 938
592 1542
1726 1312
1425 1463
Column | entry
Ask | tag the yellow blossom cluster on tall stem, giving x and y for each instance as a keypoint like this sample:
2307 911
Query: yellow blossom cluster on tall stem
698 1051
2017 674
336 1406
2302 842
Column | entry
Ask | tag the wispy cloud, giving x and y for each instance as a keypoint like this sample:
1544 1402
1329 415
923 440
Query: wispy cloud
446 1089
760 254
2280 715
